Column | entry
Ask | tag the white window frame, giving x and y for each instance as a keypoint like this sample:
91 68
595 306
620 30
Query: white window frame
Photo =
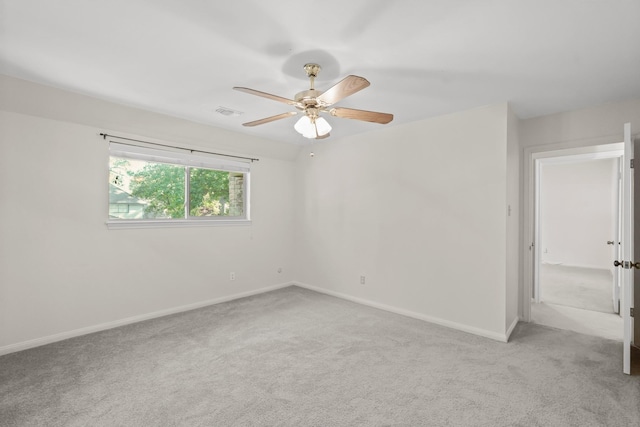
187 159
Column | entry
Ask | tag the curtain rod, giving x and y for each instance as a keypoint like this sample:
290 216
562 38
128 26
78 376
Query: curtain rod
105 135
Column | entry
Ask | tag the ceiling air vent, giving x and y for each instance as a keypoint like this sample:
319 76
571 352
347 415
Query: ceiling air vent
228 111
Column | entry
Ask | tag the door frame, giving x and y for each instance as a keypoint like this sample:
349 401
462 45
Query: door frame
628 246
547 158
590 149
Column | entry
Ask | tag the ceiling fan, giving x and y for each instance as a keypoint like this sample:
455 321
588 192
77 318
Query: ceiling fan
312 102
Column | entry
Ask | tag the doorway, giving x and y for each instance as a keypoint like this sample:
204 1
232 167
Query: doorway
576 239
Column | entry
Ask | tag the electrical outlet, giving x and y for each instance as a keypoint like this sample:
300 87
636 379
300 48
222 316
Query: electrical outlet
362 280
232 276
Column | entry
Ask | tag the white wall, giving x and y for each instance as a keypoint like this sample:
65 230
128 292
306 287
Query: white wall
513 221
587 127
21 96
576 213
419 209
62 272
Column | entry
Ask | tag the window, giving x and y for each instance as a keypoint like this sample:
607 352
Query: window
151 187
118 208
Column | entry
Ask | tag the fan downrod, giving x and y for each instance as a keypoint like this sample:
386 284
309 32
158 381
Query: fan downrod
307 98
312 72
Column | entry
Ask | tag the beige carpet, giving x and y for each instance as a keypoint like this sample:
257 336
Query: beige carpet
293 357
584 288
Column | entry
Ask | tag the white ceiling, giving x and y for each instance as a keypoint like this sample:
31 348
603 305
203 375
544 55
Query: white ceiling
423 58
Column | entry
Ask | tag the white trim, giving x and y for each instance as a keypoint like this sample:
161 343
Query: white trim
119 224
591 267
577 150
537 252
431 319
37 342
512 327
628 249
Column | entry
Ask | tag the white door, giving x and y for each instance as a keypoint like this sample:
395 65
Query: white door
627 248
616 249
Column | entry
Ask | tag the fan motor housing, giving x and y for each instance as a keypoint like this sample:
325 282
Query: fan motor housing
308 97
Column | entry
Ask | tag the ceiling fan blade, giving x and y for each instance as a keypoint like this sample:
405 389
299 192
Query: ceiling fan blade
367 116
270 119
345 87
267 95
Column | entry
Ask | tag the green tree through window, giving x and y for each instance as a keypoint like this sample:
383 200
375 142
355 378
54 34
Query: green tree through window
160 189
162 186
192 188
208 192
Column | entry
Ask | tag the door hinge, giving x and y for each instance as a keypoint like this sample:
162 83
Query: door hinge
631 311
631 163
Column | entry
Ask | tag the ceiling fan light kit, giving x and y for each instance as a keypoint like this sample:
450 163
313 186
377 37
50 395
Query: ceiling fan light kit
312 128
312 102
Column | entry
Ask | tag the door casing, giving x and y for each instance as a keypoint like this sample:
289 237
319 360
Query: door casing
532 158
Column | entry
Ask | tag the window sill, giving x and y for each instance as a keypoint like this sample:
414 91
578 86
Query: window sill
172 223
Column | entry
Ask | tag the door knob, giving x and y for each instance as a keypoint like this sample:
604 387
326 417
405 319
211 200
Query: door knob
617 263
609 242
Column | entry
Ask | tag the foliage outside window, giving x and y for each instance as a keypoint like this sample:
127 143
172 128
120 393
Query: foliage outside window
151 185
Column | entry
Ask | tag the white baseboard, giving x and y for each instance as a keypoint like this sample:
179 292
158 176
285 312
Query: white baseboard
431 319
24 345
511 327
590 266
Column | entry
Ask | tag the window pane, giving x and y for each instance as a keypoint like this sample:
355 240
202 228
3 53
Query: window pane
216 193
148 189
